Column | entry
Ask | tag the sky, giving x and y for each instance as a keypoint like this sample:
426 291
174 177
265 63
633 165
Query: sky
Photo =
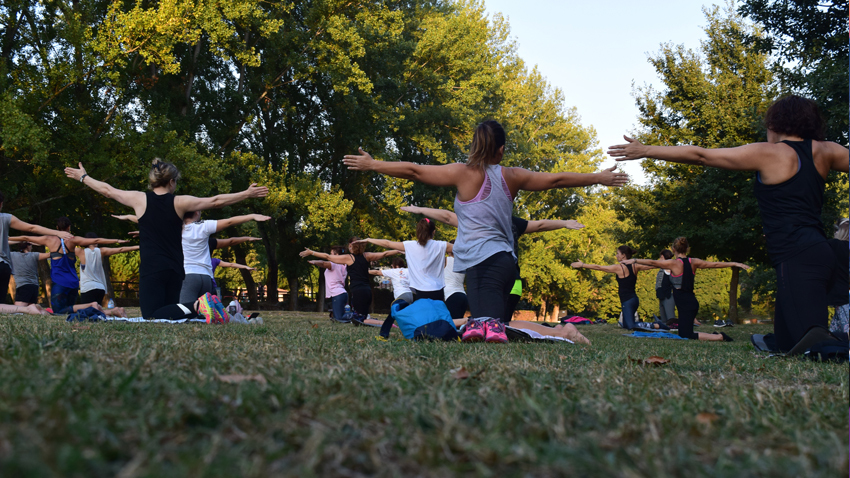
594 50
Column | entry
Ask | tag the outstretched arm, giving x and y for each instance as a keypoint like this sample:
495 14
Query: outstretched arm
674 265
701 264
85 242
838 156
110 251
399 246
551 225
42 256
19 225
439 215
521 178
232 241
233 221
322 264
133 199
444 175
184 204
126 217
376 256
375 272
750 157
595 267
40 240
234 265
345 259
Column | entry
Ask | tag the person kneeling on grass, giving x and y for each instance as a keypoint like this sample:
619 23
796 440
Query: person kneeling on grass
685 267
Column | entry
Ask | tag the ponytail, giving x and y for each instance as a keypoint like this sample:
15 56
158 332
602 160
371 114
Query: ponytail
489 137
425 231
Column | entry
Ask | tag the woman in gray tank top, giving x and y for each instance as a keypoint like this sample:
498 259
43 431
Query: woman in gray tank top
483 204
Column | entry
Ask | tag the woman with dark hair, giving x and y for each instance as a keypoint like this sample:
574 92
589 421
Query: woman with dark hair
483 204
357 268
335 282
626 281
426 259
160 213
683 270
791 169
63 266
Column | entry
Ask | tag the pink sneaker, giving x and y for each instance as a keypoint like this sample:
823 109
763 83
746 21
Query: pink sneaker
474 331
495 331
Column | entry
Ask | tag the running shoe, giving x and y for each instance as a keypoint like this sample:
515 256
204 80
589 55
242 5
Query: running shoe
726 338
494 331
206 308
474 331
720 323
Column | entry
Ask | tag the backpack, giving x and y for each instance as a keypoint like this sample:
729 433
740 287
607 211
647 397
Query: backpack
829 351
423 319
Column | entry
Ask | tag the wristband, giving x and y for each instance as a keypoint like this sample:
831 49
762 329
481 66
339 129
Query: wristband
83 177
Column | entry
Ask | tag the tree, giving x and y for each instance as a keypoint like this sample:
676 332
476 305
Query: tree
809 40
713 100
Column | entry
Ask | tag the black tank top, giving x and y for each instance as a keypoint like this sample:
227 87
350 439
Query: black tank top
687 275
160 236
359 271
791 211
626 288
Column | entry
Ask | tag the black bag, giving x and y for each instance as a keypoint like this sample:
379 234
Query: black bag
830 351
439 330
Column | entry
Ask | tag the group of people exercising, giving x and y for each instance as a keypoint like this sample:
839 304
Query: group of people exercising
791 168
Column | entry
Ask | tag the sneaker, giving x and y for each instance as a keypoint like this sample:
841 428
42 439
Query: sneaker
495 331
729 323
474 331
720 323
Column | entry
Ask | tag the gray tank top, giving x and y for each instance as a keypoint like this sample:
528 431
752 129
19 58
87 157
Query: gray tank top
26 268
484 223
91 274
5 253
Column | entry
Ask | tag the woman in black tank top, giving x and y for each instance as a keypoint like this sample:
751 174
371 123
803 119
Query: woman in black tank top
791 168
160 215
686 302
357 263
626 281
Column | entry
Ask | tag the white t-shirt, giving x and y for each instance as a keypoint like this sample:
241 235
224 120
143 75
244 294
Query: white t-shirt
196 248
400 280
425 264
454 280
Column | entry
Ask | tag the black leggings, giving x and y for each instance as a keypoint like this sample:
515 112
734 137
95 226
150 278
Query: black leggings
802 285
158 290
488 285
94 295
688 306
5 276
457 304
361 299
175 312
428 294
510 307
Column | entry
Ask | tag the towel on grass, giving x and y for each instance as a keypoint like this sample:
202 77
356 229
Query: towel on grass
654 335
532 336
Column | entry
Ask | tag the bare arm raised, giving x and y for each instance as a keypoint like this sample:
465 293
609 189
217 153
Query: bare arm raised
439 215
386 244
523 179
232 241
232 221
111 251
345 259
133 199
184 204
322 264
552 225
19 225
612 269
234 265
701 264
673 265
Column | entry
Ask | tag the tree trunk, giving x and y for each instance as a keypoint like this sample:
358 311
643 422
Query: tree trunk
320 297
250 284
733 295
556 310
107 272
542 314
271 279
293 292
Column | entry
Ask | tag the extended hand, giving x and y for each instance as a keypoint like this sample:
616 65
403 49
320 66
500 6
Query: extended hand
122 241
577 264
255 191
261 218
571 224
628 261
610 177
360 241
75 174
410 209
358 162
255 239
744 266
133 233
306 252
634 149
65 235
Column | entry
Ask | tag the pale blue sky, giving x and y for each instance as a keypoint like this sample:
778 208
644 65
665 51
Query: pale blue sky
593 50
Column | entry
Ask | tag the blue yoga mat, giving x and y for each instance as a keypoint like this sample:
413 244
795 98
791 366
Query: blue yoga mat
654 335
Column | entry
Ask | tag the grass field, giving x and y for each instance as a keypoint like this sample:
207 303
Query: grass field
300 396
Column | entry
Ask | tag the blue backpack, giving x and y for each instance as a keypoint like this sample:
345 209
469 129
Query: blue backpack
423 319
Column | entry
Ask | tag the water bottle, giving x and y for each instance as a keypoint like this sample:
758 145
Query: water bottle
347 308
110 304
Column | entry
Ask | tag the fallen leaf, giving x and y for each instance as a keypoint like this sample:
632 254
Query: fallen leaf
360 340
656 360
562 357
315 326
460 373
707 418
196 328
259 378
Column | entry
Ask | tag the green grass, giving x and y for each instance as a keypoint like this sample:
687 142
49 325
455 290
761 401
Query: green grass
144 400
